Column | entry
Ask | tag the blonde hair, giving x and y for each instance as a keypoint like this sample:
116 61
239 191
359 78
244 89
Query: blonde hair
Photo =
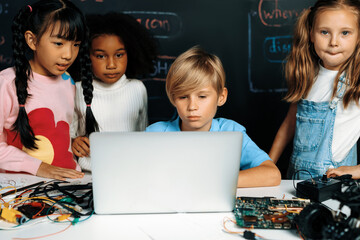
302 64
193 70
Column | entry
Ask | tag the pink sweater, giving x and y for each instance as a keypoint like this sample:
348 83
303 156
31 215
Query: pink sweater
50 110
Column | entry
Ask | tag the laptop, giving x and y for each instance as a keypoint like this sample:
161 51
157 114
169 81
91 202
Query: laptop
164 172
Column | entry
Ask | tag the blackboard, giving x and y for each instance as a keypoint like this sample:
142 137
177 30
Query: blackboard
251 37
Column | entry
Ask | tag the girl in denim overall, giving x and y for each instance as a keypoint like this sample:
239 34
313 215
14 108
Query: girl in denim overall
322 73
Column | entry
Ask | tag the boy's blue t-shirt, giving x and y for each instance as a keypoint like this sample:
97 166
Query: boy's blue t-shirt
251 155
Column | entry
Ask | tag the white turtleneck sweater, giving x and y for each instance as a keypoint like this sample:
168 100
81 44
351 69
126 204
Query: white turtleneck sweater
121 106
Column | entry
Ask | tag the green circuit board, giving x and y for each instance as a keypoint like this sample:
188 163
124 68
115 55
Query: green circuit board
268 212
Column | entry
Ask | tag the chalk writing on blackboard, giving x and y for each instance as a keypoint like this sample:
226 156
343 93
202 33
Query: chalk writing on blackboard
270 31
4 8
160 24
277 13
265 56
5 60
276 48
161 67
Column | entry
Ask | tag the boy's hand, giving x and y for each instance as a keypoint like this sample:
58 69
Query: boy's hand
50 171
81 147
353 170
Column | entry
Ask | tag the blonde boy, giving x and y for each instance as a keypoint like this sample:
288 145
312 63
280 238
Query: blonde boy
195 85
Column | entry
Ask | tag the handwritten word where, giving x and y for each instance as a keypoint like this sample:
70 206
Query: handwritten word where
277 13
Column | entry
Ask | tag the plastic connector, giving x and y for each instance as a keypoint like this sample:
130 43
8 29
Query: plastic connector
63 217
11 215
67 200
78 208
249 235
75 221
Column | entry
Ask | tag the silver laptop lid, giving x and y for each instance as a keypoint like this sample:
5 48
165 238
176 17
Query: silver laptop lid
153 172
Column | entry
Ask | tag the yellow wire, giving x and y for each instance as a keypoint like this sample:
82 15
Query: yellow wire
27 199
7 188
20 200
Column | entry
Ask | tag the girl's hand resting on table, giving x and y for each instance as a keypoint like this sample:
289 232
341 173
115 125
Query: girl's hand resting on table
50 171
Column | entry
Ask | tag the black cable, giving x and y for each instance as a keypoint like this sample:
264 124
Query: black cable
69 191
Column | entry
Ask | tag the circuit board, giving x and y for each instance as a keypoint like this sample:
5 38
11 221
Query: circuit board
268 212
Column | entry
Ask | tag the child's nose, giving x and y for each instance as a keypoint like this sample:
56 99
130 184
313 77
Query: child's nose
111 63
68 52
333 41
193 105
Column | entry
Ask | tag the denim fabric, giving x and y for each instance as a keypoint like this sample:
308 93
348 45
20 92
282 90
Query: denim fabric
312 150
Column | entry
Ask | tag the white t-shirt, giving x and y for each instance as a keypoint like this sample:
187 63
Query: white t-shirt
347 121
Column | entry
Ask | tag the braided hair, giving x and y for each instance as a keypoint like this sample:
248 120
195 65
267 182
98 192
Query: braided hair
39 18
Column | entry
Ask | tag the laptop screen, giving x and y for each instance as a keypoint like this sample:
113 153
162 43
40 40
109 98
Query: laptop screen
153 172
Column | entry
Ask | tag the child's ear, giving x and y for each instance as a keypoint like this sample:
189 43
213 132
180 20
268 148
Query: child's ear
30 39
222 97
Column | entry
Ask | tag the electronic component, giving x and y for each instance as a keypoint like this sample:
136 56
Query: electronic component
59 201
318 188
317 221
249 235
268 212
312 219
11 215
36 209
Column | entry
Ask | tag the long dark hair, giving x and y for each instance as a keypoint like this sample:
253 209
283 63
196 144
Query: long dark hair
38 18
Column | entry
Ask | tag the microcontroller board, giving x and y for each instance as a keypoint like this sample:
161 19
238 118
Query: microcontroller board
268 212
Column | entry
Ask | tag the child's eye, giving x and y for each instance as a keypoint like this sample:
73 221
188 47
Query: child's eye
100 56
182 97
119 55
58 43
324 32
202 96
345 33
77 44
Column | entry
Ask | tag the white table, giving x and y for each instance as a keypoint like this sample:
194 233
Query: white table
207 226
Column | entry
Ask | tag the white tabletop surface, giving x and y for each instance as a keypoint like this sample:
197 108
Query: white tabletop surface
207 226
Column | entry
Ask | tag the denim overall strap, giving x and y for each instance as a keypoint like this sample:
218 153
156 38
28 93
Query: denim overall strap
312 146
341 87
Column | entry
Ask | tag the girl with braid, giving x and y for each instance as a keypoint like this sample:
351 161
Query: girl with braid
121 51
37 94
